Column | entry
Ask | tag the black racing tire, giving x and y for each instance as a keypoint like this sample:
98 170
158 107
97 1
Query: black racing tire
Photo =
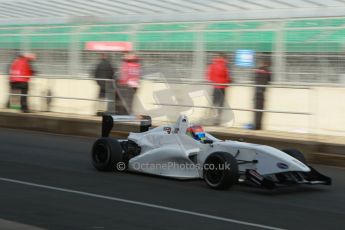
216 173
106 154
296 154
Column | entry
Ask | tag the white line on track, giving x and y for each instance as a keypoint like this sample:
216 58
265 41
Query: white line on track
140 204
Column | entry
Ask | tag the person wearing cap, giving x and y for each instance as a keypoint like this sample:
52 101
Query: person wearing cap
129 80
20 73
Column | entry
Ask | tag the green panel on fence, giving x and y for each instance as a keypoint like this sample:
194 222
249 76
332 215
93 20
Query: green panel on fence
10 38
49 41
170 41
55 30
233 25
166 27
9 45
302 35
314 40
316 23
220 36
166 36
260 41
107 28
232 46
259 36
163 36
50 38
10 31
104 37
164 46
49 44
336 36
66 38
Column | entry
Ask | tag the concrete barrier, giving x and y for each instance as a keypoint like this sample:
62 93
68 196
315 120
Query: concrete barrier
323 102
318 149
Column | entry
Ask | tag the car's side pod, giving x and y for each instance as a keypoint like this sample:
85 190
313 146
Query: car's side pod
108 122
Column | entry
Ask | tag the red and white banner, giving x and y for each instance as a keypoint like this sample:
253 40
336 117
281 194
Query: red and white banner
108 46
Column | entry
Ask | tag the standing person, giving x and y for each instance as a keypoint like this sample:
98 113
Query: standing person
21 72
262 77
218 73
104 70
129 80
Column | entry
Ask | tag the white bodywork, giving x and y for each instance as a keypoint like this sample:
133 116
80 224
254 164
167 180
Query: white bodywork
175 154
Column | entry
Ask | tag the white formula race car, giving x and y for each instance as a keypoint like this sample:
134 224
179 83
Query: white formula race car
184 151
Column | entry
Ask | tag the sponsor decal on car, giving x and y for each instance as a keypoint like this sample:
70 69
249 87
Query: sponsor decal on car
282 165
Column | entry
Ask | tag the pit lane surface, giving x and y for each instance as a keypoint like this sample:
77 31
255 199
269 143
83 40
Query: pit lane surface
47 182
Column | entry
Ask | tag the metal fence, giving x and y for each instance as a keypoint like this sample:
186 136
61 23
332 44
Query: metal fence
309 50
112 99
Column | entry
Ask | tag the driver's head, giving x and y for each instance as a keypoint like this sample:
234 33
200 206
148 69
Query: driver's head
197 132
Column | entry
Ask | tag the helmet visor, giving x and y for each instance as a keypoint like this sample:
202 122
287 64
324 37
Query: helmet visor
200 136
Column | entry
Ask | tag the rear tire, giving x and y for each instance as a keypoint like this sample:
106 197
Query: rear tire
296 154
220 170
106 154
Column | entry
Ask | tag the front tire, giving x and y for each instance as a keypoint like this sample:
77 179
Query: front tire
106 154
220 170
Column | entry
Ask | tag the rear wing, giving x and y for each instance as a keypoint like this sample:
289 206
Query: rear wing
109 120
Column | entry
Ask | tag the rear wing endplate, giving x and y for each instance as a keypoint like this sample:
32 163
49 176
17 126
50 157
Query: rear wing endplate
109 120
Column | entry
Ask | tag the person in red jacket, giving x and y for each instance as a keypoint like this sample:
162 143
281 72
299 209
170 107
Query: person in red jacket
129 80
20 74
218 73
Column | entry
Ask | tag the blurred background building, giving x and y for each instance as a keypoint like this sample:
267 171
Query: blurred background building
175 37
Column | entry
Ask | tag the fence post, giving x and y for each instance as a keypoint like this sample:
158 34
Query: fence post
74 54
199 59
279 60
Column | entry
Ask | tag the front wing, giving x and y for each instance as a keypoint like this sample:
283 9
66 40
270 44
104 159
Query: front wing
287 178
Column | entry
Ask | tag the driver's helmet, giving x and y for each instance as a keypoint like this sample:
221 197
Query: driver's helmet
197 132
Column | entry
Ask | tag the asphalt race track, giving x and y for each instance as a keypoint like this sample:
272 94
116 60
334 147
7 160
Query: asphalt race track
47 182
